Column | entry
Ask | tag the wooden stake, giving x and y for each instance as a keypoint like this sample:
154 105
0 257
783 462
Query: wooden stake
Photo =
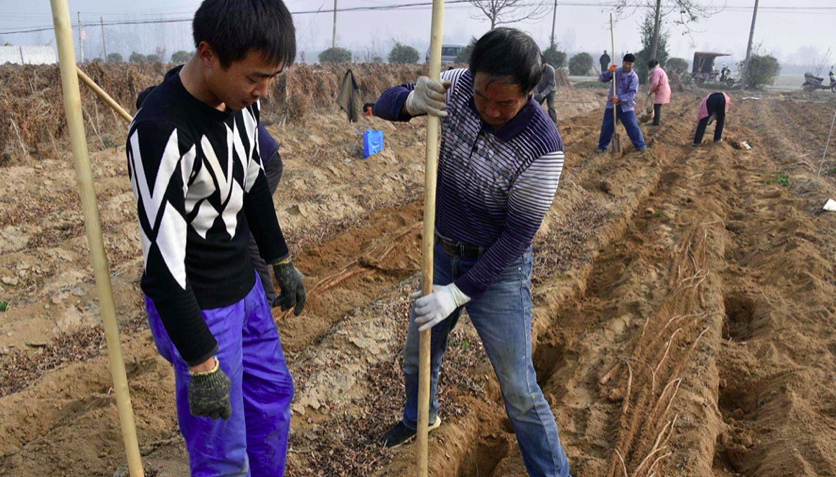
430 176
84 177
616 138
103 95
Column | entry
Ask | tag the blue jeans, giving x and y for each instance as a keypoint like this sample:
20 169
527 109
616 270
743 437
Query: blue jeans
253 441
628 119
503 320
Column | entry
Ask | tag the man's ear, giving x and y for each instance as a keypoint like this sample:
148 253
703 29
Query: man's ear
207 55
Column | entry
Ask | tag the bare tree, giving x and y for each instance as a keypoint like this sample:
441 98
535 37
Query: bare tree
503 12
682 13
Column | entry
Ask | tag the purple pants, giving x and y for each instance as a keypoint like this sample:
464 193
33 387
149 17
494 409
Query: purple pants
253 441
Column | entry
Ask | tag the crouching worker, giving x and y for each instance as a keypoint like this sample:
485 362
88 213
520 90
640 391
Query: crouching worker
196 168
499 165
712 107
623 103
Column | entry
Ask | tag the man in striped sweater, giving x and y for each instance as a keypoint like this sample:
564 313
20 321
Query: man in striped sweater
500 162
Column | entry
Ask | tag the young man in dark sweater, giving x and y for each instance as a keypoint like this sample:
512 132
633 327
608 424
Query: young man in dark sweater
196 168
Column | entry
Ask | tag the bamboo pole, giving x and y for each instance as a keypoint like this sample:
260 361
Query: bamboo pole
616 139
103 95
430 176
84 177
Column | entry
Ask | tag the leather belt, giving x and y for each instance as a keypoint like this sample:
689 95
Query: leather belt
460 249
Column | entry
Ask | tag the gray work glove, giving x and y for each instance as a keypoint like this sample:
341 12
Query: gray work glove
209 394
436 307
428 97
292 289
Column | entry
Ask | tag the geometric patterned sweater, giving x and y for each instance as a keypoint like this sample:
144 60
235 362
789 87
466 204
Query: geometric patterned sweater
200 188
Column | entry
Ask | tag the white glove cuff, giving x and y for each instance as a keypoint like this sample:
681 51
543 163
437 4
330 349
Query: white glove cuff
458 296
410 104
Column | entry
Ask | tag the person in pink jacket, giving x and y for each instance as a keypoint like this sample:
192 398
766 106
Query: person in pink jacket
660 89
712 107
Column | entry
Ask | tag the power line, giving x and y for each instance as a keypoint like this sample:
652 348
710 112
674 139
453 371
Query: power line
427 4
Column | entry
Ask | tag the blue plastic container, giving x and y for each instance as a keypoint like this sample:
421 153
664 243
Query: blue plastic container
372 142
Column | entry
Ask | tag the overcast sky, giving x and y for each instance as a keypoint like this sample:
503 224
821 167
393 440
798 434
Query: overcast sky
793 35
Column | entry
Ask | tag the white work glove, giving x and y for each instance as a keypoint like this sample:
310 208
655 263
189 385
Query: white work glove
427 97
432 309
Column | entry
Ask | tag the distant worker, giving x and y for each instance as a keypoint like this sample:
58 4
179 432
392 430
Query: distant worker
713 107
604 60
660 89
724 72
546 88
625 100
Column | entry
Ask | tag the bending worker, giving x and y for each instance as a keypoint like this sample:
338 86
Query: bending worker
546 88
712 107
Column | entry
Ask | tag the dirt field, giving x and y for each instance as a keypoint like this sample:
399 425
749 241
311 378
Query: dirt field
684 307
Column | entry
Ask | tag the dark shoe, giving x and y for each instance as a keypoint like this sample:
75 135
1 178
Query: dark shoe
599 150
695 145
400 434
642 149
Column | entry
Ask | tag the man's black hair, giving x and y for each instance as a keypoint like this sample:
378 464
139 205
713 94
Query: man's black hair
508 52
630 58
234 28
652 64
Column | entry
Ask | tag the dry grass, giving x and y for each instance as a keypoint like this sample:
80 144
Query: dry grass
34 121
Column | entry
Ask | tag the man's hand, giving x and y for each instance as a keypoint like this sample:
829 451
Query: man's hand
615 100
209 391
611 69
427 97
292 289
432 309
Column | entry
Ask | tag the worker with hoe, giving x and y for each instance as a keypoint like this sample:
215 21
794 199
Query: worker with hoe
499 164
623 102
196 167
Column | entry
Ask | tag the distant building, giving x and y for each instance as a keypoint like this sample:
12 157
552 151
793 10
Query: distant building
28 55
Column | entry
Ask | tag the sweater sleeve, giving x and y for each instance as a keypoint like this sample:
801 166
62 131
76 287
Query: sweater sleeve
390 103
160 163
655 77
528 201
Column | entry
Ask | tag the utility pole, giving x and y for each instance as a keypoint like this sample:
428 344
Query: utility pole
656 30
334 41
554 21
104 45
80 39
749 48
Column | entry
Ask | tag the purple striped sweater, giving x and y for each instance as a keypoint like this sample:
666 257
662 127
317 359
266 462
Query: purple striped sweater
494 187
